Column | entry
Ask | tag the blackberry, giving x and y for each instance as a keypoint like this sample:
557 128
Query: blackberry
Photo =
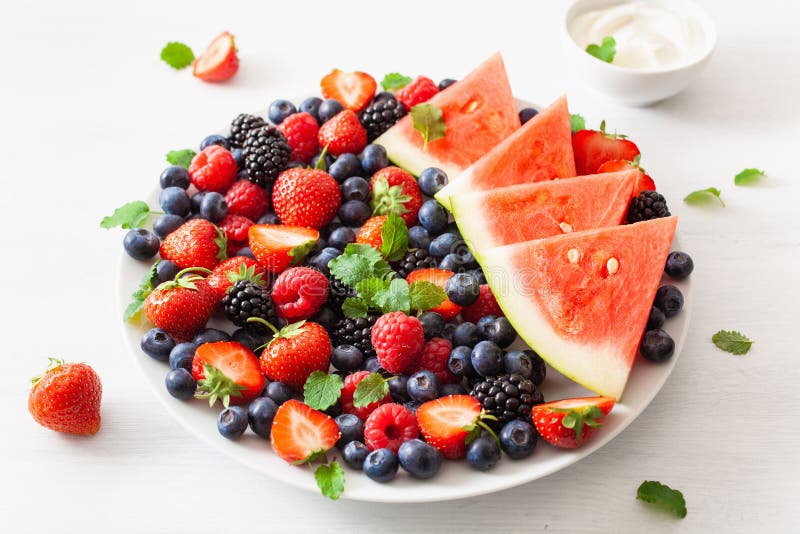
507 397
648 205
249 299
241 126
337 292
381 115
414 259
266 154
356 332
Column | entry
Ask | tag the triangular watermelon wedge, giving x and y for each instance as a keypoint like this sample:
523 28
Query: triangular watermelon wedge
479 112
515 213
540 150
582 300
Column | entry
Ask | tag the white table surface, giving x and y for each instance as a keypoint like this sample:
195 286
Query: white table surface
87 112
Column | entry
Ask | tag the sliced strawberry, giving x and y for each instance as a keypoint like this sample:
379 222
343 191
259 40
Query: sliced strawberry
446 422
300 432
278 246
447 309
569 423
354 90
593 148
228 371
219 62
643 183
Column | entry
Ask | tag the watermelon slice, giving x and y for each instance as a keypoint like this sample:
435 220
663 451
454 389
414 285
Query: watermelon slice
540 150
479 112
582 300
523 212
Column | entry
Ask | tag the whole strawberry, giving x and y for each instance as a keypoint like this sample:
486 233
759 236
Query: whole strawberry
343 133
231 271
370 232
181 307
296 351
305 197
398 340
247 199
196 243
396 191
420 90
213 169
299 293
300 130
67 398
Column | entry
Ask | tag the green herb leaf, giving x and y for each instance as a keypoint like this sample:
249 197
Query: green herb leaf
330 479
182 158
394 238
368 287
394 81
749 176
321 390
577 122
357 263
372 388
732 341
131 215
704 196
663 496
425 295
177 55
394 298
354 308
428 121
146 287
605 51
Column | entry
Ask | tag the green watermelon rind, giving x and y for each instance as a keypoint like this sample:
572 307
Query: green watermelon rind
408 157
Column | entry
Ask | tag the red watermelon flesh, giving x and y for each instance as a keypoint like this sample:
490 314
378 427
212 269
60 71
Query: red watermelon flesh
582 300
523 212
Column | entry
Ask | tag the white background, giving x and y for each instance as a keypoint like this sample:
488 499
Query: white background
88 110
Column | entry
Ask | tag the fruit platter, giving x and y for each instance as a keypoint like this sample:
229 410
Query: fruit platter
425 292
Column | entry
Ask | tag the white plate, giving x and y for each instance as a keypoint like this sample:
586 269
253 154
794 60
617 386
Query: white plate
455 480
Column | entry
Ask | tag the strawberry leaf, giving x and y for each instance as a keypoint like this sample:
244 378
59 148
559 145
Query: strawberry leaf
394 238
128 216
322 390
732 341
182 158
425 295
394 81
217 386
330 479
662 495
372 388
605 51
388 200
395 297
428 121
749 176
577 122
704 196
299 253
177 55
145 288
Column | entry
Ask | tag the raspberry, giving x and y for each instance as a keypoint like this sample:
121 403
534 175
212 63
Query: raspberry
434 358
389 426
235 228
419 91
485 305
398 340
247 199
346 400
343 134
300 130
299 293
213 169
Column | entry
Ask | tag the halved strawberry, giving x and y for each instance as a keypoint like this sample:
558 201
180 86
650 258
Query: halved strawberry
228 371
592 148
446 422
300 433
643 183
568 423
354 90
219 62
447 309
278 246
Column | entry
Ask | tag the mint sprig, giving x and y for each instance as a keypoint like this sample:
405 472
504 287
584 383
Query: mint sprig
322 390
149 282
330 479
357 263
654 492
704 196
177 55
394 297
605 51
749 176
372 388
428 121
577 122
394 238
732 341
128 216
394 81
182 158
425 295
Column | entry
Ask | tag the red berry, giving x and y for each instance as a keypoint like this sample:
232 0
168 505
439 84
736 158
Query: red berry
445 423
219 62
238 379
349 389
434 358
593 148
588 415
295 352
299 431
385 200
447 309
419 91
354 90
343 133
235 227
247 199
196 243
370 232
213 169
389 426
306 197
277 246
300 130
643 180
397 339
67 398
181 307
231 271
485 305
299 293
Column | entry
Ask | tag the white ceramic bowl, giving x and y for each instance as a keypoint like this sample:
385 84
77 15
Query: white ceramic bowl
637 87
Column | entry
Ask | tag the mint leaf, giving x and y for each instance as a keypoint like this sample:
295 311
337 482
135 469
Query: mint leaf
368 287
131 215
425 295
149 282
605 51
177 55
394 81
372 388
357 263
321 390
732 341
749 176
663 496
182 158
577 122
429 122
704 196
394 298
354 308
330 479
394 238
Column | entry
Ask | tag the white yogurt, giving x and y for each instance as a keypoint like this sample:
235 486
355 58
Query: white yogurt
648 36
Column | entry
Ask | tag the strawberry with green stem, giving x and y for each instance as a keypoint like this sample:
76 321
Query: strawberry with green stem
453 422
66 398
294 352
227 371
181 307
643 182
569 423
593 148
278 246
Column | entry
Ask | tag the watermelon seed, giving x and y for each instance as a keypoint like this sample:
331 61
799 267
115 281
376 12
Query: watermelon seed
565 227
612 265
573 255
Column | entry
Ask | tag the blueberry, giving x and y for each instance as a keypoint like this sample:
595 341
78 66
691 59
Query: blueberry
354 212
175 176
175 201
335 410
398 388
165 224
141 244
278 391
279 110
460 363
452 389
180 384
197 200
501 332
657 346
311 106
669 300
340 237
679 265
451 262
433 216
527 114
656 319
347 358
166 270
452 228
423 386
466 335
479 276
484 324
373 158
351 428
518 439
320 261
210 335
157 344
518 362
355 188
181 356
215 139
447 331
487 358
443 245
463 289
419 459
432 324
373 365
381 465
260 414
354 454
238 157
268 218
326 317
246 252
314 160
432 180
345 166
232 422
213 207
250 338
483 454
447 82
418 237
329 109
